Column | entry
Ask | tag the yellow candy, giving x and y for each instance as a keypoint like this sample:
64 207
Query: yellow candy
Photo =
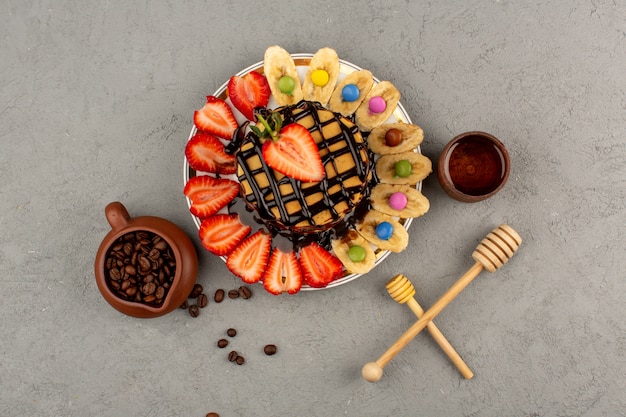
319 77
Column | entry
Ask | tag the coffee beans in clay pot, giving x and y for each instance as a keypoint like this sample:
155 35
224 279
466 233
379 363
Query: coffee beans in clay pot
145 266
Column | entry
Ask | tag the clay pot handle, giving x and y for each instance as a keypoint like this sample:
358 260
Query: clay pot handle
116 215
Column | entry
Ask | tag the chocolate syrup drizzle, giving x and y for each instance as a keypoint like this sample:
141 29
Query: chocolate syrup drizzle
260 197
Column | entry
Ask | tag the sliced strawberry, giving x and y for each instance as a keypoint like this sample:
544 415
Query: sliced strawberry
221 233
249 259
319 267
216 118
290 150
208 195
283 273
206 153
247 92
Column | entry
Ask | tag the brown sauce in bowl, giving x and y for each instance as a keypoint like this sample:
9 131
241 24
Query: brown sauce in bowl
475 166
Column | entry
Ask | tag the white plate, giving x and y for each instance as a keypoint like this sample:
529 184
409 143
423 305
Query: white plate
302 61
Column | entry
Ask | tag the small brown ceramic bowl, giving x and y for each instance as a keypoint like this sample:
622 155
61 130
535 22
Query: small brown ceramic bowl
473 167
179 254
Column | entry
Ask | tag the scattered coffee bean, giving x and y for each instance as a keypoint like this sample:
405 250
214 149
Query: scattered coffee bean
240 360
222 343
232 356
245 292
196 291
184 305
269 350
219 296
231 332
232 294
212 415
140 267
194 311
202 301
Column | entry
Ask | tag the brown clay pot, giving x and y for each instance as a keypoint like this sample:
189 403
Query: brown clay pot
473 166
184 252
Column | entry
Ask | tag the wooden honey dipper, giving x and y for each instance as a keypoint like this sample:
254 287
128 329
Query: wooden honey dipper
402 291
491 253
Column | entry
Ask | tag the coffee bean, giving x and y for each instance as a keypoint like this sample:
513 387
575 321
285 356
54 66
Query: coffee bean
269 349
144 263
194 311
148 288
115 274
232 294
184 305
232 356
219 296
212 415
196 291
202 301
222 343
160 245
240 360
245 292
155 254
231 332
160 293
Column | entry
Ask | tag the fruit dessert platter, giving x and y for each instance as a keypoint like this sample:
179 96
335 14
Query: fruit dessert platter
304 171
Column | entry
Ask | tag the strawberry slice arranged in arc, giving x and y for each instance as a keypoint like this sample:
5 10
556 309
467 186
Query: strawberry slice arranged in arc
290 150
249 259
249 91
208 194
216 118
221 233
205 152
319 267
283 273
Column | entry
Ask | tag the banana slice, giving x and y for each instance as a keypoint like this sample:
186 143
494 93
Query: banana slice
386 168
398 239
410 137
382 200
321 77
377 106
363 80
342 246
277 63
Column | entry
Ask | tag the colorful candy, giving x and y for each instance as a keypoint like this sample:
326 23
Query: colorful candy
398 201
384 230
356 253
286 84
319 77
403 168
350 93
393 137
377 104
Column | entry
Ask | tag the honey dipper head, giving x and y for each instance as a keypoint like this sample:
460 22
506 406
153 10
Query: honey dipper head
400 289
497 247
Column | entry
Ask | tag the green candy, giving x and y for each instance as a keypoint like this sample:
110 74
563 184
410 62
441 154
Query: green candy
403 168
286 84
356 253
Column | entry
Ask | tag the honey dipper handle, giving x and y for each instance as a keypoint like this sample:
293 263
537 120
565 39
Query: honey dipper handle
429 315
442 341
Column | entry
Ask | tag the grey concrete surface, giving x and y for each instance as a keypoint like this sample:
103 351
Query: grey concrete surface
96 105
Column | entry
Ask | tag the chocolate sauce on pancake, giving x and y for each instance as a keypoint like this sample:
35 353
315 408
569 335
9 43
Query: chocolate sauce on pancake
283 203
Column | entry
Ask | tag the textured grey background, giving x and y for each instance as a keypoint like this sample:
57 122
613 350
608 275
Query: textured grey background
96 104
